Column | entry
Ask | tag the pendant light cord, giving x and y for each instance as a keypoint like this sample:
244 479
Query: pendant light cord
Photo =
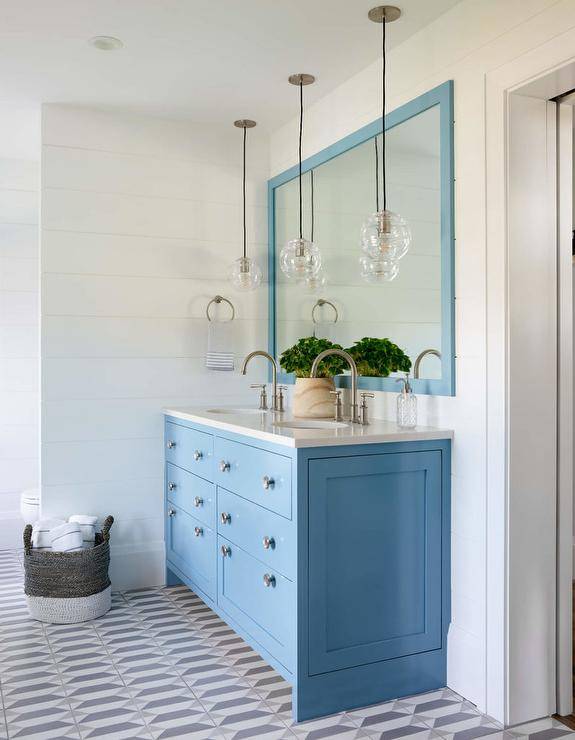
312 206
383 25
244 192
376 174
299 154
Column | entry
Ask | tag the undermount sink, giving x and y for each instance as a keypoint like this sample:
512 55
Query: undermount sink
311 424
233 411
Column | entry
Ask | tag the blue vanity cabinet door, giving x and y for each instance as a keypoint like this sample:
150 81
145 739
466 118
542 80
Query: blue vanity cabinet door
190 449
259 475
191 493
190 546
266 613
375 549
267 536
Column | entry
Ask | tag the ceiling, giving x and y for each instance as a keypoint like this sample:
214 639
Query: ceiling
207 60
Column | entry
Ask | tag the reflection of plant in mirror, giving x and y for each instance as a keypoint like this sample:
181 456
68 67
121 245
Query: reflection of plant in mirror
299 358
379 357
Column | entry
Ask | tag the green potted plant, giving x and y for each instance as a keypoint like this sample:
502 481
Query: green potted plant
379 357
312 397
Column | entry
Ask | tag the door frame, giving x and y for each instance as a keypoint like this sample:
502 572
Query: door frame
555 62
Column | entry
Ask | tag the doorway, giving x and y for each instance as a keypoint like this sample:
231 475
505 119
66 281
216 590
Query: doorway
530 346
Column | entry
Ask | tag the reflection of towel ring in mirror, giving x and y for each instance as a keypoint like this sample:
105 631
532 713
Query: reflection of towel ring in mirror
323 302
219 299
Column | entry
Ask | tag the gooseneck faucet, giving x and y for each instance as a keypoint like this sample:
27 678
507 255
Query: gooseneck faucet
346 356
277 400
420 356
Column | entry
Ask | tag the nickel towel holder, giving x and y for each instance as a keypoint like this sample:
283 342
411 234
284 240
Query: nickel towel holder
322 302
220 299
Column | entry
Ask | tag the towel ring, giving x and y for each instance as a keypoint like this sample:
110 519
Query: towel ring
323 302
219 299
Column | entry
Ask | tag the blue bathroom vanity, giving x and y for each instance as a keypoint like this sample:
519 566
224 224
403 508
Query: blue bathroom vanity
326 549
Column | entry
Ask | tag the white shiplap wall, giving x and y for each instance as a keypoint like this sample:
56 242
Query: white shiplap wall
141 218
19 351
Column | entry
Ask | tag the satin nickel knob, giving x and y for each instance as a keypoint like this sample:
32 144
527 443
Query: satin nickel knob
268 482
171 512
225 517
198 455
170 444
198 531
226 550
268 542
198 501
269 580
171 486
224 466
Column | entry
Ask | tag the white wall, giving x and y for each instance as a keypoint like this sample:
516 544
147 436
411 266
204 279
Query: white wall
19 349
465 44
141 218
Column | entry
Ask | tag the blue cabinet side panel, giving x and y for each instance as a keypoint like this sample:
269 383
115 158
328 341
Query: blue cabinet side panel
373 592
375 558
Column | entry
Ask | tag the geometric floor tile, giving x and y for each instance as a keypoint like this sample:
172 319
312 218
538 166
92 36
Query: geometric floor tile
161 664
544 729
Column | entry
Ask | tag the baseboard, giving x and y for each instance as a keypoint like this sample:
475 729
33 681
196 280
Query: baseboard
137 566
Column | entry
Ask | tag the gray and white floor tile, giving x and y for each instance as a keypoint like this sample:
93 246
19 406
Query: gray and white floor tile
543 729
161 664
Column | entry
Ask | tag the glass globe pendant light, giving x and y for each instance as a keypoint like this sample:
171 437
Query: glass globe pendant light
245 272
300 258
385 235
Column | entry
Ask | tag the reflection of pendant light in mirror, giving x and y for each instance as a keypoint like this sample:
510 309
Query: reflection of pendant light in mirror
314 283
245 272
300 258
385 235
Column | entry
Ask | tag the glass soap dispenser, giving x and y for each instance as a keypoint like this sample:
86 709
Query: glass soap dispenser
406 405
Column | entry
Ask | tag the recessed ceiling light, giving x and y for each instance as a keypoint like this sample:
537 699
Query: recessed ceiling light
106 43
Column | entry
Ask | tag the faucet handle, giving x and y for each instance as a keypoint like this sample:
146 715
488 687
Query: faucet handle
263 395
338 405
363 418
280 398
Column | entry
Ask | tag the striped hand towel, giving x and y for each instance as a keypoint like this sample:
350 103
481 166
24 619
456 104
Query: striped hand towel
66 538
220 354
87 525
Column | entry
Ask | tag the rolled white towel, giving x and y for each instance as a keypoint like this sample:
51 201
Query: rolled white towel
66 538
41 531
87 525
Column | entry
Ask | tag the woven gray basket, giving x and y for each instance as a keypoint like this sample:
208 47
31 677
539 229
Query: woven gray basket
67 587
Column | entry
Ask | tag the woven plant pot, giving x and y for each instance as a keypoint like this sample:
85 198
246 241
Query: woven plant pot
68 587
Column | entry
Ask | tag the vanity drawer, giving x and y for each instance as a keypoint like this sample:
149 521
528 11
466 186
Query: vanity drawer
258 475
267 613
263 534
190 449
191 493
190 547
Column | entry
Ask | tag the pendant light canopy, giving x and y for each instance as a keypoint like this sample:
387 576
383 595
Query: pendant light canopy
300 259
385 235
245 272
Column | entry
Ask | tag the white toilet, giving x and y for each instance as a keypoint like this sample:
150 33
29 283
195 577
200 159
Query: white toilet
30 505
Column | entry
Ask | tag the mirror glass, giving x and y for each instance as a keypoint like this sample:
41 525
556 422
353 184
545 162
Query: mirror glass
338 195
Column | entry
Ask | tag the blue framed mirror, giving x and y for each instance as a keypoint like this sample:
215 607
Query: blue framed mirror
416 309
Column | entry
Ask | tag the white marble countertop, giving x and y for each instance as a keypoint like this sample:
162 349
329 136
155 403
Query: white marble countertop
267 426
